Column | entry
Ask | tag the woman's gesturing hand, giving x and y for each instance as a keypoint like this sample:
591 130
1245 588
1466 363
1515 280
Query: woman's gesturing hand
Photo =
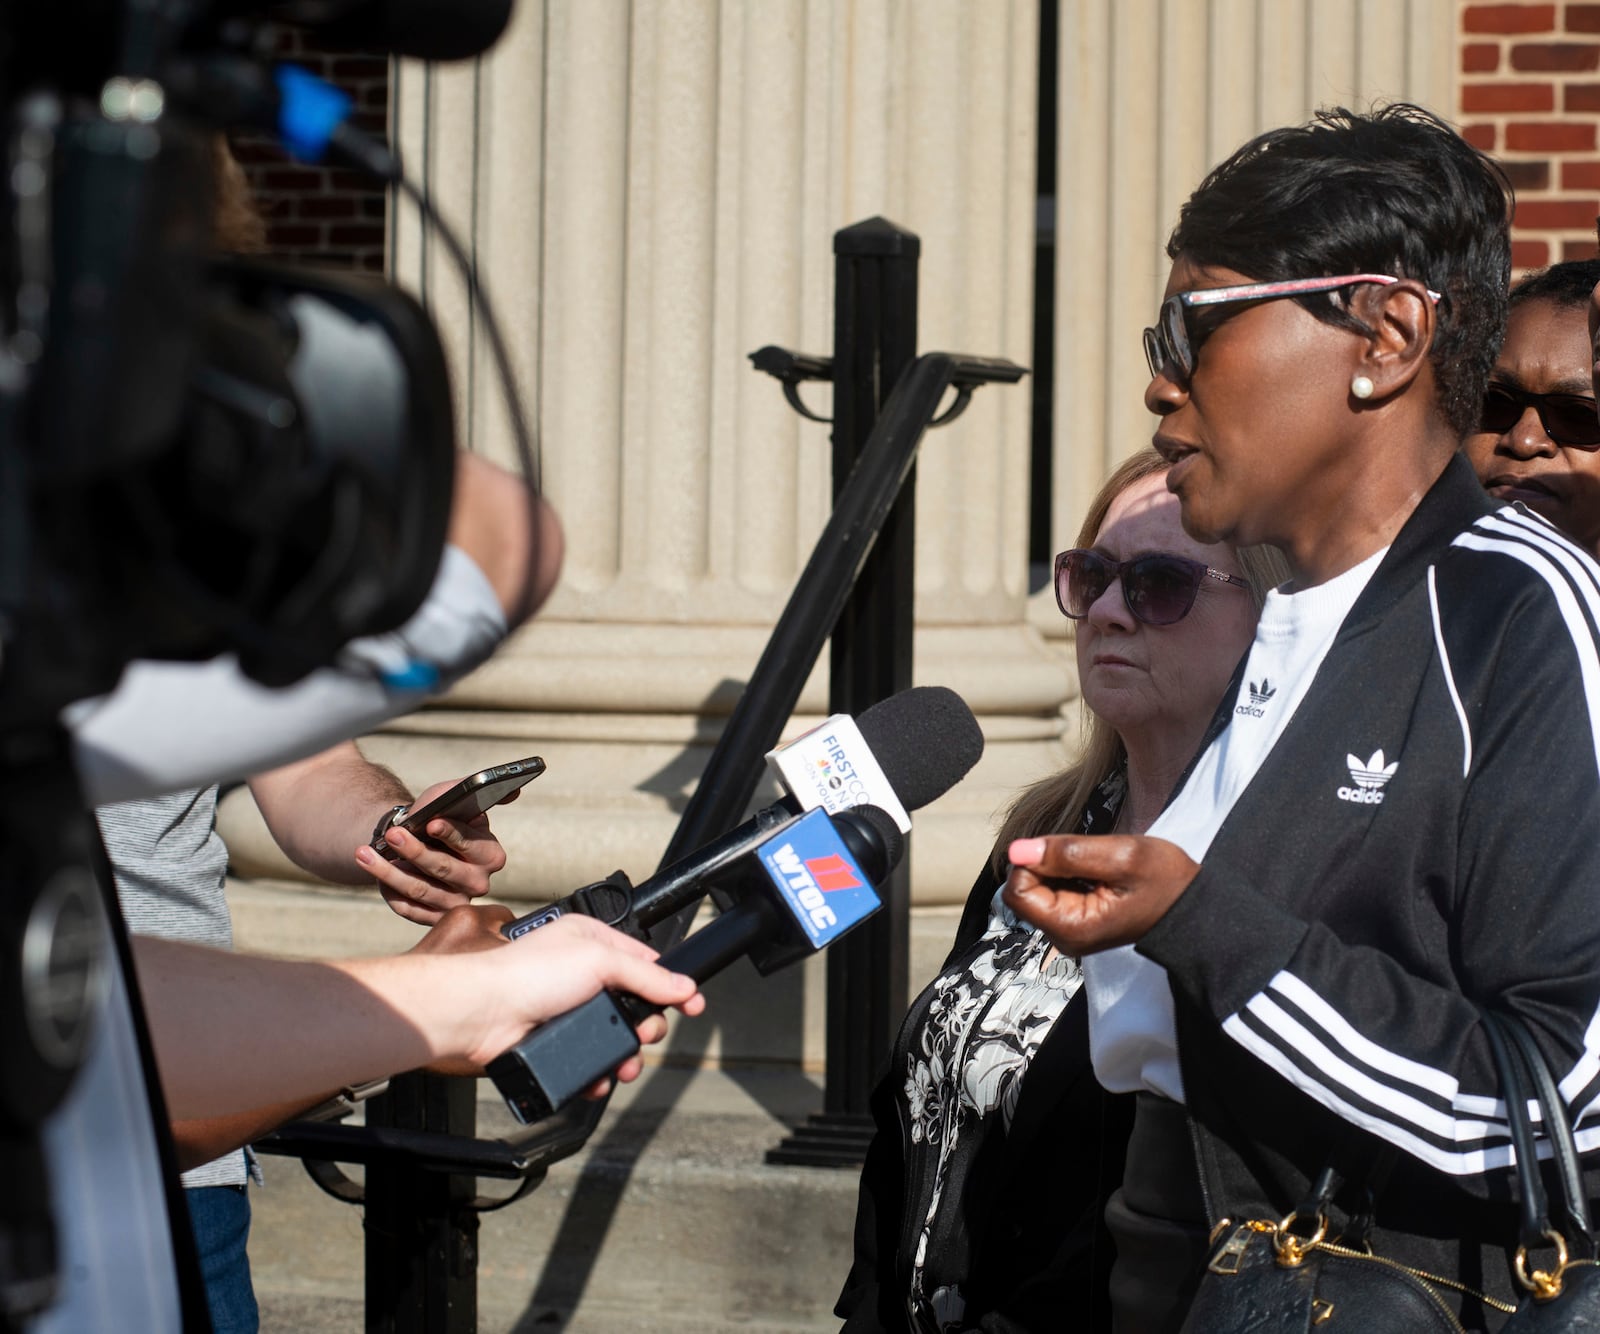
1094 893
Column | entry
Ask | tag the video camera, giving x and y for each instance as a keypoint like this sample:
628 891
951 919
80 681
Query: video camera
197 454
200 454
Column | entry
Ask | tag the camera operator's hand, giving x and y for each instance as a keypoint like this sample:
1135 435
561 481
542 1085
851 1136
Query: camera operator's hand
509 532
172 725
448 869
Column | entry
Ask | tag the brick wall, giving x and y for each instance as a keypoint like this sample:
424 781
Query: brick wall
319 214
1530 94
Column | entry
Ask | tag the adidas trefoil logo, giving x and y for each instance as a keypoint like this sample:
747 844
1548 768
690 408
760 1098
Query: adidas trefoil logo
1369 777
1259 695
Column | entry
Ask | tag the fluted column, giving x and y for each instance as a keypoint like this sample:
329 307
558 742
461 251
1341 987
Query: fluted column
650 190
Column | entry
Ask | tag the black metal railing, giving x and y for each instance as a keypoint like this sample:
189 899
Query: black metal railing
419 1146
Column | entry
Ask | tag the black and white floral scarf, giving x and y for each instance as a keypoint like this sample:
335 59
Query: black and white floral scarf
967 1042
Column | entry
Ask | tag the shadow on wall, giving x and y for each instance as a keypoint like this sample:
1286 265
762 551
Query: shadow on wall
675 781
745 1013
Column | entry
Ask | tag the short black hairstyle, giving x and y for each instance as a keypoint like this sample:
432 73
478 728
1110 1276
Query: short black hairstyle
1395 191
1569 283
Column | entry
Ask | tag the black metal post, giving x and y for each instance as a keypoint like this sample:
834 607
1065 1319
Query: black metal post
874 340
418 1145
422 1228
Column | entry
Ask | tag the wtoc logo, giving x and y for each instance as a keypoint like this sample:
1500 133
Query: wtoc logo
1369 777
1259 695
831 768
819 880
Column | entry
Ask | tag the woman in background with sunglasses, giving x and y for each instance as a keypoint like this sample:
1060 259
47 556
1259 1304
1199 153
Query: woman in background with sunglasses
1538 439
1287 970
975 1208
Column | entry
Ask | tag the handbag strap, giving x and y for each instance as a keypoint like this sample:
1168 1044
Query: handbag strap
1516 1052
1557 1125
1514 1089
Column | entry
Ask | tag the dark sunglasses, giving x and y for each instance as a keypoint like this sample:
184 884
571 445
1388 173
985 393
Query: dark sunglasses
1568 419
1175 341
1159 589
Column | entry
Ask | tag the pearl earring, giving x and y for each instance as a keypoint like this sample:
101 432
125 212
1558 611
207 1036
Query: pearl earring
1361 387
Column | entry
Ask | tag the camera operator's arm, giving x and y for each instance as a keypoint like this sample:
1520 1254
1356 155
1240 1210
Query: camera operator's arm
460 931
172 725
235 1032
205 1139
511 535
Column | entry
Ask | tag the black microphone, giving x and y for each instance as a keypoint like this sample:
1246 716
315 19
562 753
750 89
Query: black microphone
924 739
806 886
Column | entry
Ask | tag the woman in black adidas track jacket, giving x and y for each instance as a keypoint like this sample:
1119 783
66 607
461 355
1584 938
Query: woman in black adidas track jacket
1422 836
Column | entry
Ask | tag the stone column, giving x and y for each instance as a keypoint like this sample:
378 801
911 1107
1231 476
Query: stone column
649 191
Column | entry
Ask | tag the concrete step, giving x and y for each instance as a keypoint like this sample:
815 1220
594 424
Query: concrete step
668 1220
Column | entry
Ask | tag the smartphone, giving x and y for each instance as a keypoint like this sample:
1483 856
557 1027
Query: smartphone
473 795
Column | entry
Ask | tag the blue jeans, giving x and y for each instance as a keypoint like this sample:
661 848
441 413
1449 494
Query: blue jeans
220 1216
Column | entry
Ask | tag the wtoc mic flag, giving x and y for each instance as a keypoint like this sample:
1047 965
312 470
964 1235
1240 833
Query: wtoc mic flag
818 878
831 768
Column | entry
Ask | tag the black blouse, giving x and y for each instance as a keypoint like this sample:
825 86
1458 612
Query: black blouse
975 1188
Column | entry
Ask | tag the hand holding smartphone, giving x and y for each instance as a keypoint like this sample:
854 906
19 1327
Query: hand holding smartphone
473 795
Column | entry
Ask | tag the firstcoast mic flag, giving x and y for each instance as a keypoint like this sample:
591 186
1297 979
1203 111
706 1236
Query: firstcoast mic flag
832 768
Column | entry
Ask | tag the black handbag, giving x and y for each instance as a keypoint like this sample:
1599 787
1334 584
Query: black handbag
1289 1275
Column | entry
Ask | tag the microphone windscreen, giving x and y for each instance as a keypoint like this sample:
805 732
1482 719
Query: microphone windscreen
925 740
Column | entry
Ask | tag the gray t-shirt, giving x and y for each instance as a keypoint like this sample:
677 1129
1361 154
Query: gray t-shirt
175 723
170 864
167 725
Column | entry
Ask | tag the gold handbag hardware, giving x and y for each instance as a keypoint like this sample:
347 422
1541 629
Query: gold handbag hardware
1544 1286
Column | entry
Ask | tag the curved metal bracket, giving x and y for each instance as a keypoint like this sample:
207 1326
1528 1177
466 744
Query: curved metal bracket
963 397
791 391
791 369
487 1204
331 1181
967 373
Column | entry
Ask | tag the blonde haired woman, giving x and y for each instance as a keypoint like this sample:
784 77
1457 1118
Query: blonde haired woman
992 1064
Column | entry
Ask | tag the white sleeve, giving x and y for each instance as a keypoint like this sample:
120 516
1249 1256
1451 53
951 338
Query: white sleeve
173 725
